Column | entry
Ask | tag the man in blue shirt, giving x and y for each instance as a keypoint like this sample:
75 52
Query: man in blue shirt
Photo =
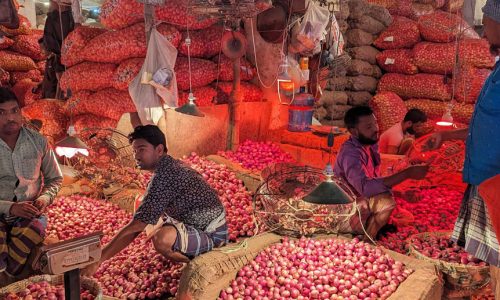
473 228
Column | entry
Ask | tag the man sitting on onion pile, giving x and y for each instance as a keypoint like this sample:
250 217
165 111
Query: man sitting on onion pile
473 228
400 137
186 213
358 163
30 178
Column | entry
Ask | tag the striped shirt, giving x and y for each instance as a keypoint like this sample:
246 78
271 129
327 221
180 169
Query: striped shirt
29 172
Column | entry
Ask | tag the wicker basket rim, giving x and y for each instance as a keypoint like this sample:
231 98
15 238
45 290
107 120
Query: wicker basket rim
441 263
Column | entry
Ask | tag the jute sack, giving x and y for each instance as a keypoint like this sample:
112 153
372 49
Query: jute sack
205 276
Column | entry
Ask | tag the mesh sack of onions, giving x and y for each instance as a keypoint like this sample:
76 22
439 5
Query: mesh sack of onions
247 70
126 72
469 83
51 113
12 61
403 8
118 14
397 61
108 103
41 66
444 27
236 199
88 76
434 109
23 29
130 42
430 86
86 121
75 42
23 91
318 269
4 78
203 72
204 95
33 75
249 92
6 42
175 12
402 33
389 109
28 45
205 43
439 58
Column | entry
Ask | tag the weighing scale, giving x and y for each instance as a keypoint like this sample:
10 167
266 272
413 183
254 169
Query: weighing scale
68 257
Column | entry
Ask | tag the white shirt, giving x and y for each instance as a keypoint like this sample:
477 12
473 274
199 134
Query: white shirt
391 137
28 172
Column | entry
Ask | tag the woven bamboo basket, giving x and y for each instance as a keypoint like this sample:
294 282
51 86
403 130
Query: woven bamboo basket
457 276
89 284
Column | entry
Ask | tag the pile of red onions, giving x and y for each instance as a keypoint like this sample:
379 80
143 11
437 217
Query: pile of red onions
437 210
444 249
138 272
257 155
44 290
318 269
232 193
74 216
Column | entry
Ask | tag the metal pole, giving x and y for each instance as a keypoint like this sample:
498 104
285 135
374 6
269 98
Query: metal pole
72 285
234 107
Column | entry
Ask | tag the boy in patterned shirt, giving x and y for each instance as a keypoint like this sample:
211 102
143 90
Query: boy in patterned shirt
189 217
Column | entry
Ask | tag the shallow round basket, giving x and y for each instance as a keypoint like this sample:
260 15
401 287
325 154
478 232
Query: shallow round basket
89 284
457 276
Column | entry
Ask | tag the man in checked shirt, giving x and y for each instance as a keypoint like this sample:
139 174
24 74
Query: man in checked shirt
30 178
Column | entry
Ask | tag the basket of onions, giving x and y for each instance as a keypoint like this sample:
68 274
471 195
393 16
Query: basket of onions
461 270
48 287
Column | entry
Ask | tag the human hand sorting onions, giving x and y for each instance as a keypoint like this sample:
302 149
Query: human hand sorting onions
24 210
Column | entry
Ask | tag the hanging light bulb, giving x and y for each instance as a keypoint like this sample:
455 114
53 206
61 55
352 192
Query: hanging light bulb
286 86
446 119
71 145
190 107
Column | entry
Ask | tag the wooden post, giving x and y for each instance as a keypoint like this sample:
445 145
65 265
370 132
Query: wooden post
234 108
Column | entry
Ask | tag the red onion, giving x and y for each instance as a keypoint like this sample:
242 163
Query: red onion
278 273
257 155
232 193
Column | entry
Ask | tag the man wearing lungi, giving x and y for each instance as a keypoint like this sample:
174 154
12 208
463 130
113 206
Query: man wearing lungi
189 217
358 163
473 229
30 178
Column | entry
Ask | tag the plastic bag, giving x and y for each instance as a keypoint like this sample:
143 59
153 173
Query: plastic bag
148 100
312 29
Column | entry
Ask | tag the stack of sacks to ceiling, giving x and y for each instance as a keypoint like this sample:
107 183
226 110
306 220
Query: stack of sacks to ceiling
22 62
108 61
414 9
356 83
419 58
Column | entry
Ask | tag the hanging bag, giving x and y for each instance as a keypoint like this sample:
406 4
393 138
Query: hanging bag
155 86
